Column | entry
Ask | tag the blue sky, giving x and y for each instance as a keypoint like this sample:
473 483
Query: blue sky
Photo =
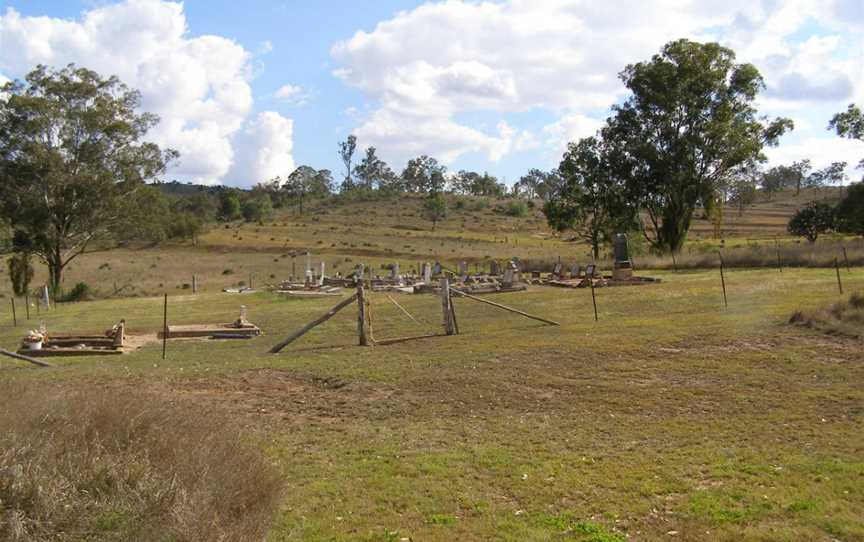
496 86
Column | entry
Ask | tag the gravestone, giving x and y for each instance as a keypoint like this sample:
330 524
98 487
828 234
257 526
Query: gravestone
507 280
394 271
494 268
321 278
589 271
557 270
463 269
436 269
427 273
575 271
623 267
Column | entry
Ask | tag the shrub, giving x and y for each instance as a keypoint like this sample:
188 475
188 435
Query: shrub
812 220
478 204
516 207
79 292
850 210
843 318
102 464
20 272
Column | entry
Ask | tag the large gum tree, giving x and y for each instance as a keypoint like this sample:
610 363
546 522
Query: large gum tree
687 128
70 155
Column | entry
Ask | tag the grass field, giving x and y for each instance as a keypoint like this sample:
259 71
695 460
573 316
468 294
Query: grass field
672 418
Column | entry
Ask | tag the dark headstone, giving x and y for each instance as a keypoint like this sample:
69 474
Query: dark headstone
622 252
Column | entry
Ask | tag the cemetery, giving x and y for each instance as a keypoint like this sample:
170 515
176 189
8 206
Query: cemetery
219 325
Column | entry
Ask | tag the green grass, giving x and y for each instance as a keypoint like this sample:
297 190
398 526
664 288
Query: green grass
672 413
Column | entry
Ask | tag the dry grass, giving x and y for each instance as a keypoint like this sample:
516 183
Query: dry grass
843 318
764 254
104 464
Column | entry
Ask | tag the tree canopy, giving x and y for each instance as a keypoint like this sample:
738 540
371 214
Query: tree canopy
589 199
70 152
688 126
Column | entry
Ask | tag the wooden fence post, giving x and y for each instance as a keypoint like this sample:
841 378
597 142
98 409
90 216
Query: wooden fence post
320 320
846 258
837 269
165 326
27 304
362 315
779 262
14 316
593 298
194 284
447 313
723 281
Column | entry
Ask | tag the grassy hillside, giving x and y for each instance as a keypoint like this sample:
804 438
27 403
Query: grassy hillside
380 232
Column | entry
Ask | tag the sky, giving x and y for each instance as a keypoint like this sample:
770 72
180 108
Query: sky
247 91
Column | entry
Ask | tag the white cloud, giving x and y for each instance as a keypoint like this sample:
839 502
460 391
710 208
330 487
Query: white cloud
821 151
570 127
436 136
423 68
292 94
264 149
198 85
265 47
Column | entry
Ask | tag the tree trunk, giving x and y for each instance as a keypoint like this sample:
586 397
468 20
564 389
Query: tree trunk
674 228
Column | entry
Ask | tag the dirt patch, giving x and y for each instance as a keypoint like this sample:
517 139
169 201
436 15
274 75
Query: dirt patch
295 396
134 342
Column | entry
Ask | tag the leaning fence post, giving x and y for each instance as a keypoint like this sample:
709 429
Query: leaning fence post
27 304
846 259
723 280
14 316
837 270
593 297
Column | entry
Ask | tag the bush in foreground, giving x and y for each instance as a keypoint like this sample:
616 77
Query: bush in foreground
843 318
109 465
